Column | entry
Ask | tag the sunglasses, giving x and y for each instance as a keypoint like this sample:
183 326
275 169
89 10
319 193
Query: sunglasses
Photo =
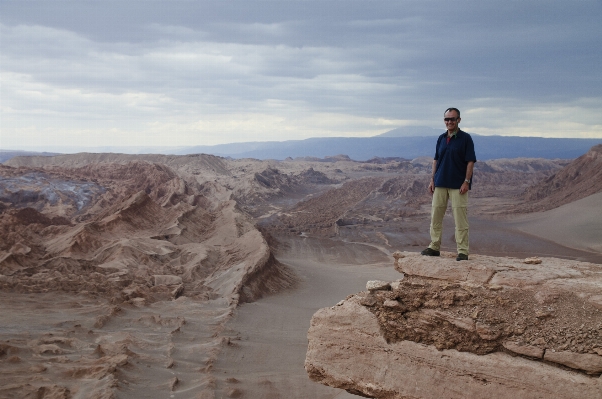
450 119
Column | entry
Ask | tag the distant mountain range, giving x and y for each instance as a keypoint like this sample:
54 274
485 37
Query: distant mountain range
361 149
412 131
406 142
5 155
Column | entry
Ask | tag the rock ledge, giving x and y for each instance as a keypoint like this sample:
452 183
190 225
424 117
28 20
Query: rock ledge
489 327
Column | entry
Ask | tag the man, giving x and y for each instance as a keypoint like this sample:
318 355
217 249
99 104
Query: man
451 178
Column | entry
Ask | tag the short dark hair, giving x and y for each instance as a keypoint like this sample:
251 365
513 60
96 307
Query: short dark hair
452 109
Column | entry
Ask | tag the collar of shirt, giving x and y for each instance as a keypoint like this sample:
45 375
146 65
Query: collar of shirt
453 134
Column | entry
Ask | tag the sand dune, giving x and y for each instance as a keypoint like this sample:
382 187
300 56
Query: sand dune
575 225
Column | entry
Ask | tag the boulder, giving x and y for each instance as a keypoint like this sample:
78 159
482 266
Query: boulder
377 285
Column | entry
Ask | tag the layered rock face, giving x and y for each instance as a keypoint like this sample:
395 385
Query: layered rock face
487 327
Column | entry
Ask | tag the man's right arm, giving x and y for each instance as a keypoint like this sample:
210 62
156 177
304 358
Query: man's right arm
432 183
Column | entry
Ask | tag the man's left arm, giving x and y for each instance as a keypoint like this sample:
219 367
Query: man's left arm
466 185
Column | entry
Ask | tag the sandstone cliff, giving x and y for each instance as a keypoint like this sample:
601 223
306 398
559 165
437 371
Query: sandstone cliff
488 327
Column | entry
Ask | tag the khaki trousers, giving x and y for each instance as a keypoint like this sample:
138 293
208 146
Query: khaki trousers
459 211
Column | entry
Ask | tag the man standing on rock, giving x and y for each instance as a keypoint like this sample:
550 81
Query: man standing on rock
451 178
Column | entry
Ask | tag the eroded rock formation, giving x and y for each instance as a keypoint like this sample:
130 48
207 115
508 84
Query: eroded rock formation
109 270
489 327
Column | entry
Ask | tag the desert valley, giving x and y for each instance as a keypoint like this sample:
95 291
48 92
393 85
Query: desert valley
197 276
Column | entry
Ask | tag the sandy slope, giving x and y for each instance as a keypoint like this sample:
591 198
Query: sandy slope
267 358
54 346
575 225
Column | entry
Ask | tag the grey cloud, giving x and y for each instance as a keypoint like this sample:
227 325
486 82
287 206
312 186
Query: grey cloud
380 59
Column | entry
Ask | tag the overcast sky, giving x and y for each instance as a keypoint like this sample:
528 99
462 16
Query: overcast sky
179 73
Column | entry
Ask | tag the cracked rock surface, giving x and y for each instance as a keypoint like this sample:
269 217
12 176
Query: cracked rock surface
494 327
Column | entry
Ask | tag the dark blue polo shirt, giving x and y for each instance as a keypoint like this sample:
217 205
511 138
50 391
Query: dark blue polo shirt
452 159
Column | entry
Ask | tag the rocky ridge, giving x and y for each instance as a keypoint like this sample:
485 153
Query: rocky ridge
579 179
130 222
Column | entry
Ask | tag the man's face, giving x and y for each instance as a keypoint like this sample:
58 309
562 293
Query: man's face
451 120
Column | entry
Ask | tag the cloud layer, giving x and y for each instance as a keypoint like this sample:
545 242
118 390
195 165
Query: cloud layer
200 73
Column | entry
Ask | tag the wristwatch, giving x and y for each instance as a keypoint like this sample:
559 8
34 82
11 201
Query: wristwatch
467 181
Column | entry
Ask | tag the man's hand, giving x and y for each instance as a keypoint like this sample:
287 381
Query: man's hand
464 188
432 184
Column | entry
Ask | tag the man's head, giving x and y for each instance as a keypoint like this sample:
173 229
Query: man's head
451 117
